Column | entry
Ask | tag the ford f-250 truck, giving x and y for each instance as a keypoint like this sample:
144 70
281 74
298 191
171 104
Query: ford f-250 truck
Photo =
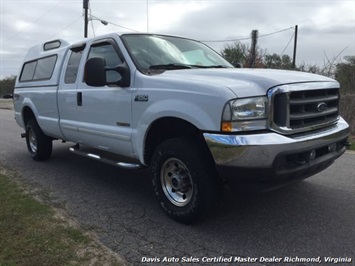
176 106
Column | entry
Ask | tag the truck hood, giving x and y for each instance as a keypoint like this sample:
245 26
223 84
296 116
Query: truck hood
244 82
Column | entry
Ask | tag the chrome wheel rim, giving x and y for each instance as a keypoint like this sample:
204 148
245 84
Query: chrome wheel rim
176 182
32 141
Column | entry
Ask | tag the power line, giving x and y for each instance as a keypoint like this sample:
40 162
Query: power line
34 22
247 38
15 55
265 35
230 40
65 27
123 27
92 23
287 44
105 22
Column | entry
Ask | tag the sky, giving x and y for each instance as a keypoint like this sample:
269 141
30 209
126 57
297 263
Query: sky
326 28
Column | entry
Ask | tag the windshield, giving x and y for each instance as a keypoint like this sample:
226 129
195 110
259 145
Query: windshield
168 53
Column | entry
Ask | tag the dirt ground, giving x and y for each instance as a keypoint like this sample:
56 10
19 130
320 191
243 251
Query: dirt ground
6 104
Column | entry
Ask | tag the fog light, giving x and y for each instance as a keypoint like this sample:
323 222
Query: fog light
312 155
332 147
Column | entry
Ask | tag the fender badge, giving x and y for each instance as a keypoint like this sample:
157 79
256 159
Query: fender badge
141 98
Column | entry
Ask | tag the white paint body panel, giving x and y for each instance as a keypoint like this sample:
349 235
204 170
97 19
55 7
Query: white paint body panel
111 120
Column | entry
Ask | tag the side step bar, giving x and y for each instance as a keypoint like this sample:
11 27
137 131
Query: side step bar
99 157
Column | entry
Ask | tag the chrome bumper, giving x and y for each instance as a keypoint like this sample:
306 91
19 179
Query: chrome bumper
282 154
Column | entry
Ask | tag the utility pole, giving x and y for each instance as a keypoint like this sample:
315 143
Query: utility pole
254 40
86 20
295 48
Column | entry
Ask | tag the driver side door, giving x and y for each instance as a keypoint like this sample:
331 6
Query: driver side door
104 117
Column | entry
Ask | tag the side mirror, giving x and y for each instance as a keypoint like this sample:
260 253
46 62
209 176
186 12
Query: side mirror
125 80
95 72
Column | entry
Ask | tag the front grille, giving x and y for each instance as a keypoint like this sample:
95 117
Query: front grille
297 110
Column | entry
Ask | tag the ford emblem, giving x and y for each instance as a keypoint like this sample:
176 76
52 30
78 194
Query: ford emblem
322 107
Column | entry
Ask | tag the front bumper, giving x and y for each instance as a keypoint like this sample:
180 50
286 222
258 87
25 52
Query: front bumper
271 156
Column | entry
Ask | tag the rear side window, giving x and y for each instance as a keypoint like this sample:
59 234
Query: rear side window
28 71
40 69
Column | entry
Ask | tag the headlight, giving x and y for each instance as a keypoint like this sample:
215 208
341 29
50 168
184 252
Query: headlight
245 114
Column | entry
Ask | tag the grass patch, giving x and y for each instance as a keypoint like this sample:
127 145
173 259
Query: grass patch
352 140
31 234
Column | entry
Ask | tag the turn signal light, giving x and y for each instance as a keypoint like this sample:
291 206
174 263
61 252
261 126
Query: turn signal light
226 126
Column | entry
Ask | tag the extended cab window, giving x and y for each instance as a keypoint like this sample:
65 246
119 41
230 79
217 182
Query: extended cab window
73 66
108 52
40 69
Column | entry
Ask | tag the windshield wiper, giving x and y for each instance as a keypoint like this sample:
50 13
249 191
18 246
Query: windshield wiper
171 66
213 66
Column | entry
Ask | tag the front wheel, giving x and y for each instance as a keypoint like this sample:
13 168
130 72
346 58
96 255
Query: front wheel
184 179
38 144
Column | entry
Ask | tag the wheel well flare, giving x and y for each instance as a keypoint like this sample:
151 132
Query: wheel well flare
167 128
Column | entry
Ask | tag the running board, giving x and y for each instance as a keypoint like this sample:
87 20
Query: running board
100 156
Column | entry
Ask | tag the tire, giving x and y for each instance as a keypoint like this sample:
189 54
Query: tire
184 179
38 144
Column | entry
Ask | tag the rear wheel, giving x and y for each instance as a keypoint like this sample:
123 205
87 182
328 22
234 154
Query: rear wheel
185 180
38 144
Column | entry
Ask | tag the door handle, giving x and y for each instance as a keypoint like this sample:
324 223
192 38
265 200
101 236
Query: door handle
79 98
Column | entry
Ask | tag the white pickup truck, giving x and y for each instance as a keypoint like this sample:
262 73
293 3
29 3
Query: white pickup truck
176 106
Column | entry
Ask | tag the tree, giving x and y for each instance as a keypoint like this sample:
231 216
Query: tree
235 53
241 53
7 85
276 61
345 74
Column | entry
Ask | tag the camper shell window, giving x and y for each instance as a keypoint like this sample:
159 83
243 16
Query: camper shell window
40 69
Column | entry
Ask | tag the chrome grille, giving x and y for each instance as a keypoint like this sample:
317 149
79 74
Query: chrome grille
295 108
